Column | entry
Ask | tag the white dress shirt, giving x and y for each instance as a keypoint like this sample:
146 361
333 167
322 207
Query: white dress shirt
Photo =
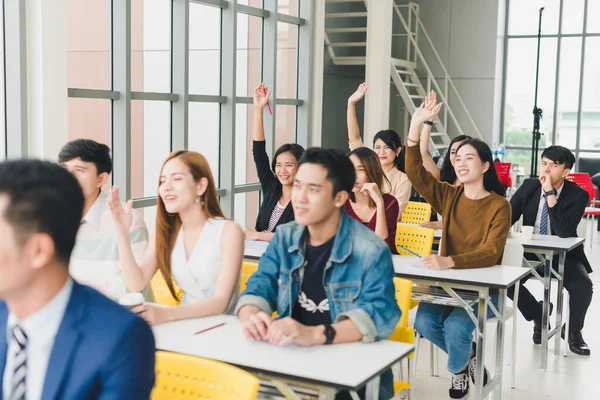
538 218
95 258
41 328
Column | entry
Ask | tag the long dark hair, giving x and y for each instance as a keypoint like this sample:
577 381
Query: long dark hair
295 149
491 183
447 173
392 138
370 162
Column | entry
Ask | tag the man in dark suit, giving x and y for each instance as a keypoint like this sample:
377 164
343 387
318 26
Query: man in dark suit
59 339
553 205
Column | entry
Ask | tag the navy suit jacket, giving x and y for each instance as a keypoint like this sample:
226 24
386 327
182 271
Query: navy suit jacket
564 216
101 351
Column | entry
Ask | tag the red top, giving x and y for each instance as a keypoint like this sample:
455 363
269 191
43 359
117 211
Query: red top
392 210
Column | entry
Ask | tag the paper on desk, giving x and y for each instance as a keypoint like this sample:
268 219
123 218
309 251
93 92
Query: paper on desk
417 263
255 245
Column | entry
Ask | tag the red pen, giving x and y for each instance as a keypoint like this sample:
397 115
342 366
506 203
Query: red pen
268 104
208 329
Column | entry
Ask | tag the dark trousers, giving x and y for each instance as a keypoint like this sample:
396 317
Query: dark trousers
576 281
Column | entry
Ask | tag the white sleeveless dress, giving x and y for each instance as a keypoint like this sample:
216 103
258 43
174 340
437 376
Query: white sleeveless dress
197 276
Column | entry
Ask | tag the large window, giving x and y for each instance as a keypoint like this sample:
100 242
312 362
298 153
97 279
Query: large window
181 74
569 80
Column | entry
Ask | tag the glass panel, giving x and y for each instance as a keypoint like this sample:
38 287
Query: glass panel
151 46
520 86
590 116
88 44
285 125
246 209
90 119
289 7
287 60
523 158
205 49
523 17
593 10
249 54
150 144
203 136
568 92
245 170
2 95
572 18
149 215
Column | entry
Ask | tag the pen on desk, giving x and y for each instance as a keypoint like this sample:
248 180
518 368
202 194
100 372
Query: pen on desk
410 251
208 329
269 104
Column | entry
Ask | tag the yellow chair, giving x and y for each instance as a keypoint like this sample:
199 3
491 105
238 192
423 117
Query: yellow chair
416 212
417 239
161 292
180 376
248 268
403 333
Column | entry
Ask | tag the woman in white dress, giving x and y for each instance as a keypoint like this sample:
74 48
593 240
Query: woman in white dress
193 243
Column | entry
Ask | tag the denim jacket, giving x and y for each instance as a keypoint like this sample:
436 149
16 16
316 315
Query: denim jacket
358 278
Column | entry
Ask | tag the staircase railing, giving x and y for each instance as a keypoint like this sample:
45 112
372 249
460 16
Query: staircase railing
443 95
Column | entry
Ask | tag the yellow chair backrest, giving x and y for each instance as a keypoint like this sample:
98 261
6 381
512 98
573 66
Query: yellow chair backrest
415 238
248 268
416 212
161 292
180 376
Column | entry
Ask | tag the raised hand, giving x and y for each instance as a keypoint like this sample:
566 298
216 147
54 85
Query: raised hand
359 94
123 218
261 96
428 110
373 190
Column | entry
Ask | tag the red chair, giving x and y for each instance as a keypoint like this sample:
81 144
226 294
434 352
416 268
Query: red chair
583 179
503 172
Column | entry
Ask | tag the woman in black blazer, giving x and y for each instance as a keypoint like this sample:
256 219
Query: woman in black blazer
276 178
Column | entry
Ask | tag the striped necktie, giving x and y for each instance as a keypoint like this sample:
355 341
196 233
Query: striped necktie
544 219
20 365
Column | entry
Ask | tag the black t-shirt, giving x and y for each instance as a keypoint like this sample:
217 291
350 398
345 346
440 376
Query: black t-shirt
312 305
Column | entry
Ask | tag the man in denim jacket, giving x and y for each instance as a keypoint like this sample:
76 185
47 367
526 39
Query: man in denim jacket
328 277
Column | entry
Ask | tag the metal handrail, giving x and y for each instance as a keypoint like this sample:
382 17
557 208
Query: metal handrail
430 76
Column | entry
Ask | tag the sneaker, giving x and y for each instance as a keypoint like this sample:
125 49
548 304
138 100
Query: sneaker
459 385
473 366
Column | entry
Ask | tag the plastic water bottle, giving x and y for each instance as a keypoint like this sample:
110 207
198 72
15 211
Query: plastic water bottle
494 151
501 152
441 159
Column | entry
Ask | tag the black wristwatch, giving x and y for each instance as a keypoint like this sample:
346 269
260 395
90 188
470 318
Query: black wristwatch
430 123
329 333
551 192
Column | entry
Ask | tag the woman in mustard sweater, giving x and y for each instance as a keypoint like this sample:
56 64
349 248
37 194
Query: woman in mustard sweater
476 222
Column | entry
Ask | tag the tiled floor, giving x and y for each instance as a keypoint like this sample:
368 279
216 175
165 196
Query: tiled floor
572 378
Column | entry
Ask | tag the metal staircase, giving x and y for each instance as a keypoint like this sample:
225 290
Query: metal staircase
411 75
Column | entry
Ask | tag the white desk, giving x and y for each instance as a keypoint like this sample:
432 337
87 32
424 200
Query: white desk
254 249
331 368
480 280
546 246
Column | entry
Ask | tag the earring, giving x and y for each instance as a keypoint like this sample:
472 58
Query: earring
197 199
202 200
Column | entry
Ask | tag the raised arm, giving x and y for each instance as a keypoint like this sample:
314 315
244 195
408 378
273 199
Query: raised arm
259 152
136 276
424 146
424 182
353 128
261 98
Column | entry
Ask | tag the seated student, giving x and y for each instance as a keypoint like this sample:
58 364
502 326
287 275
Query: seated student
378 212
95 260
446 172
323 245
553 205
475 227
194 244
388 146
58 338
276 179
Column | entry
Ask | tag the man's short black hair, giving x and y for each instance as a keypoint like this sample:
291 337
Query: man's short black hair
88 151
340 170
43 197
559 155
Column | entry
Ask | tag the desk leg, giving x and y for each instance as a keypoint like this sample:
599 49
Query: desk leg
480 332
559 302
500 342
372 392
546 310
